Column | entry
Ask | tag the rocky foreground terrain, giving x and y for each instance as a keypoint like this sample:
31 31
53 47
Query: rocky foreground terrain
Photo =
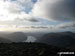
30 49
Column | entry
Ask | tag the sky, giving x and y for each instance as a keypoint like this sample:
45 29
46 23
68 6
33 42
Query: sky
59 13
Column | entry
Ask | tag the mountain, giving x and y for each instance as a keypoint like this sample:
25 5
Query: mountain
4 40
60 39
17 36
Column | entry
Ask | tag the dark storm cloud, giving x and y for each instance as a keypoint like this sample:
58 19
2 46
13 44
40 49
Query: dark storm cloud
64 10
60 10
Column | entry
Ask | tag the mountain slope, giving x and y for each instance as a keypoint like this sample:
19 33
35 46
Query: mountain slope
17 36
61 39
3 40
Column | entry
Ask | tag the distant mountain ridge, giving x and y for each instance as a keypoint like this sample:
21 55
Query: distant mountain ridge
60 39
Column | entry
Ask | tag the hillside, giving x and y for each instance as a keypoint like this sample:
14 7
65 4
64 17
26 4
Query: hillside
29 49
4 40
60 39
17 36
14 36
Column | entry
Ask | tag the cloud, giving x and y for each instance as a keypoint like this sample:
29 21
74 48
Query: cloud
68 25
12 9
33 20
26 17
22 5
59 10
